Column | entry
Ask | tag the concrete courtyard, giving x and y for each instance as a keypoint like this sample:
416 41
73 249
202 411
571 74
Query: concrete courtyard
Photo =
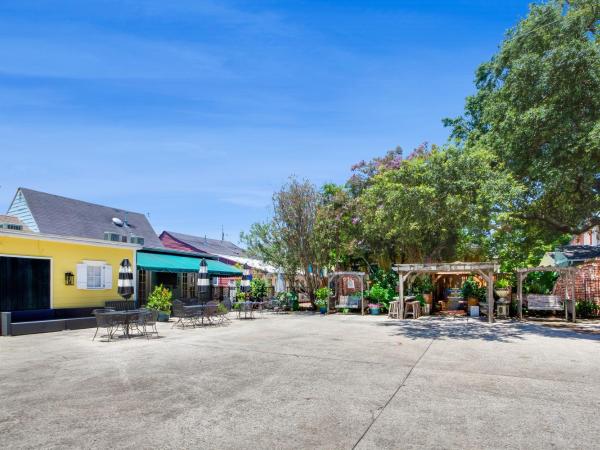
306 381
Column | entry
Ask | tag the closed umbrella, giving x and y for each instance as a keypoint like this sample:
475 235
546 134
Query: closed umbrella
125 284
245 284
203 281
279 284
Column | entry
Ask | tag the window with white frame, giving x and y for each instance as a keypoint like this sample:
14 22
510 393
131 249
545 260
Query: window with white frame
94 275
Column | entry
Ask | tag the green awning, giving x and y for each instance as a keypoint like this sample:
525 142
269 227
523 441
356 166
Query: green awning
159 262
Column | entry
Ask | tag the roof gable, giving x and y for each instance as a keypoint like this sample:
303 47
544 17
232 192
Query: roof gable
203 244
64 216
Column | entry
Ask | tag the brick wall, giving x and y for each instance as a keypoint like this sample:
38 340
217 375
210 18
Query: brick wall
587 282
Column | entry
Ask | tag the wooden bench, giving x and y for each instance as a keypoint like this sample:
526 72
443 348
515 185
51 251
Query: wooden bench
537 302
350 302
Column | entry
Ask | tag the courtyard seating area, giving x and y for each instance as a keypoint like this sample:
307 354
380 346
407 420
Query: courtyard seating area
337 381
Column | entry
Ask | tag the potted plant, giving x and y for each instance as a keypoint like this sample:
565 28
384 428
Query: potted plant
471 292
374 308
503 288
380 295
427 288
322 301
160 300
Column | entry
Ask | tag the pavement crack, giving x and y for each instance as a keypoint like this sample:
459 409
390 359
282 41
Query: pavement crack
402 384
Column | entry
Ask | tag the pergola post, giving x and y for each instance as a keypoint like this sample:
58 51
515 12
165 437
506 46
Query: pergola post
401 296
573 302
520 293
362 296
491 297
567 276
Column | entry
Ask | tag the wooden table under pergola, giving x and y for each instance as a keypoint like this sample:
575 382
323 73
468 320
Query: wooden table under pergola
569 274
484 269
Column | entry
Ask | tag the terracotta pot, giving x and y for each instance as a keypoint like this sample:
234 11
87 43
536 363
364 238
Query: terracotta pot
428 298
471 301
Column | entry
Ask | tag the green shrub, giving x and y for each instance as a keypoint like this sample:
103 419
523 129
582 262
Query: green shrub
258 288
323 293
587 309
160 299
380 294
470 289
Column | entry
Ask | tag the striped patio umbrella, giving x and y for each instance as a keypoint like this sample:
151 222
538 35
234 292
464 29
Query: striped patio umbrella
245 285
203 281
125 285
280 283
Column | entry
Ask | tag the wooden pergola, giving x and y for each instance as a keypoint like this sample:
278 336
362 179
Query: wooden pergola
484 269
568 272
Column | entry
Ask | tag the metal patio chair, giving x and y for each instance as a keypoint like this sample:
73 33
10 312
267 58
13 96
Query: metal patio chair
105 321
184 316
210 313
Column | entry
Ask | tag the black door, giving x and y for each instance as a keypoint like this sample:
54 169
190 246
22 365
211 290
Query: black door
24 284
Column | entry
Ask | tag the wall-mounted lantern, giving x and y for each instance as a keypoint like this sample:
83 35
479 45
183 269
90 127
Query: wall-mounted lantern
69 279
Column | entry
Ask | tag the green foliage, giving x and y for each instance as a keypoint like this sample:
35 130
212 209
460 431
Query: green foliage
321 303
422 285
323 293
540 282
381 295
160 299
241 296
222 309
419 298
537 108
425 206
258 288
292 239
471 289
587 309
502 283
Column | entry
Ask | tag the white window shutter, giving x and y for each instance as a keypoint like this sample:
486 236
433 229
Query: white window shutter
81 276
107 281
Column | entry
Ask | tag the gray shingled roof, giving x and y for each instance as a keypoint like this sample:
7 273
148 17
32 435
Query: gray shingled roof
68 217
580 252
213 246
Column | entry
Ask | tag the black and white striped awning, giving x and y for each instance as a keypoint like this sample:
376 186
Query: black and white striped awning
125 284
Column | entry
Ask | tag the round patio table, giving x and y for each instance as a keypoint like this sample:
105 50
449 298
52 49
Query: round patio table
128 317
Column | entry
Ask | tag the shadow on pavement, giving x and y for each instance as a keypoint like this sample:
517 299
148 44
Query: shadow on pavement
476 329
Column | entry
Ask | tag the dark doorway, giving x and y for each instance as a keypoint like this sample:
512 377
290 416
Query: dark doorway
24 284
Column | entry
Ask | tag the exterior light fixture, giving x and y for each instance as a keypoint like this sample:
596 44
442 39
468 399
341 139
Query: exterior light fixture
69 279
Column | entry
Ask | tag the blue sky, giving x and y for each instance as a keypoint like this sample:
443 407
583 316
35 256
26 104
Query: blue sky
196 111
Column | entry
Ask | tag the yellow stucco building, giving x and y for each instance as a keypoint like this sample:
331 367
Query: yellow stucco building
40 271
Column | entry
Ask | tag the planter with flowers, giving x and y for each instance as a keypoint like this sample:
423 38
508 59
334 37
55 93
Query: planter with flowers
374 308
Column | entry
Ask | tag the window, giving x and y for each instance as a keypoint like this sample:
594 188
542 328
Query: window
136 240
11 226
94 275
115 237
